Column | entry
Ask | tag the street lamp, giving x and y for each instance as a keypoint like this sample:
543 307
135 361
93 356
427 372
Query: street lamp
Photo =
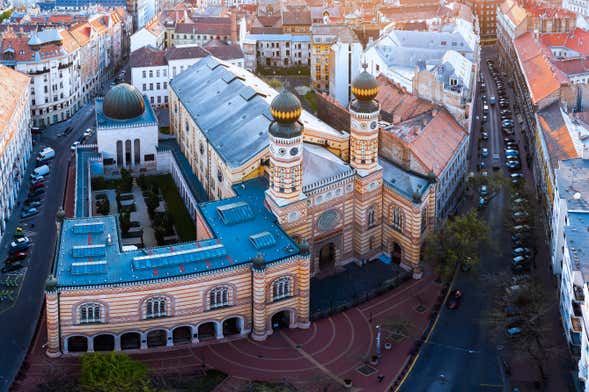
378 332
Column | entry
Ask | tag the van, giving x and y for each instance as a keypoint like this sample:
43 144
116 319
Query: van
40 171
36 130
46 154
485 109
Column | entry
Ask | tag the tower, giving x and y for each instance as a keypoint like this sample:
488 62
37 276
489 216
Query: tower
286 149
364 112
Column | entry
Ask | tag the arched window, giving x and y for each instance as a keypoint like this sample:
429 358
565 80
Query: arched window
371 216
397 218
219 297
155 307
424 219
90 313
282 288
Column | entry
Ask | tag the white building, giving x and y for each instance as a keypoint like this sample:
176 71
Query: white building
276 50
397 53
126 129
153 69
15 139
580 7
344 66
153 34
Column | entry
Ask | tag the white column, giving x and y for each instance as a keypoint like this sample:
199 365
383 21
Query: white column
219 330
90 344
194 331
117 342
64 349
170 338
143 337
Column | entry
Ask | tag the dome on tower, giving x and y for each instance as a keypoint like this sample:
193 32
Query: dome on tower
123 102
286 110
365 86
286 107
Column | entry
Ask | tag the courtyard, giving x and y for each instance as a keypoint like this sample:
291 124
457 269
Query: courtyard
333 349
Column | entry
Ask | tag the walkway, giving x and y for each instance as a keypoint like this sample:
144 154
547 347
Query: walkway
142 216
333 348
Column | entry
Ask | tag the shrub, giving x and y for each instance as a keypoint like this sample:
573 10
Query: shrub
113 372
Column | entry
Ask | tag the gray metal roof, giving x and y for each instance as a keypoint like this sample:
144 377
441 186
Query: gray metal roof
407 184
231 114
321 167
572 179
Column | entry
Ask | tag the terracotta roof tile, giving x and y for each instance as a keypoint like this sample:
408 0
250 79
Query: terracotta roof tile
397 105
147 57
556 134
577 40
13 85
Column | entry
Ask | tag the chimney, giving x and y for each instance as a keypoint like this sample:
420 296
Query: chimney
233 17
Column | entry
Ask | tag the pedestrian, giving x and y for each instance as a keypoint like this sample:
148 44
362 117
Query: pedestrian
380 378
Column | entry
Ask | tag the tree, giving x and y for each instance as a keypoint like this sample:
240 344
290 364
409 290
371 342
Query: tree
525 308
113 372
125 221
275 83
457 243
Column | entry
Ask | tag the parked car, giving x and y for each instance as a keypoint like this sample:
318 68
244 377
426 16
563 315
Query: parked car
454 299
519 236
521 251
67 131
521 228
74 146
29 212
19 244
41 171
511 153
33 204
520 268
32 199
520 214
518 244
484 152
513 329
37 192
15 257
519 201
513 165
483 190
484 136
12 267
37 185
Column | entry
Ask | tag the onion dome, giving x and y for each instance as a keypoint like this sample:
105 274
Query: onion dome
286 110
51 283
365 86
123 102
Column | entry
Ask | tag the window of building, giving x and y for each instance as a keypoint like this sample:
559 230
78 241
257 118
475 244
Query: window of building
155 308
165 85
144 87
149 157
219 297
150 74
144 74
397 219
157 73
371 216
282 288
90 313
158 86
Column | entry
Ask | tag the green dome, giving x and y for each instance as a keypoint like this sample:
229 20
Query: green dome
286 107
51 283
123 102
365 87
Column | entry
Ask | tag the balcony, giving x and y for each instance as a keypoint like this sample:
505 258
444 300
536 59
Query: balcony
578 292
576 309
576 325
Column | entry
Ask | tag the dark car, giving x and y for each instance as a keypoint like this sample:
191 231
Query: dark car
67 131
521 252
513 165
521 236
19 244
37 186
29 212
33 204
33 199
454 299
12 267
521 229
37 192
520 268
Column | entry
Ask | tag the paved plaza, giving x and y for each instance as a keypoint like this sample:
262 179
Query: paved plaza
332 350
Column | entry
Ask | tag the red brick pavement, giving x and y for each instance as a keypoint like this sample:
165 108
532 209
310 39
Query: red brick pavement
331 350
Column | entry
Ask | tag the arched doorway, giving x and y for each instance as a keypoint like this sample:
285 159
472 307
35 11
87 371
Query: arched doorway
182 335
232 326
327 257
137 151
157 338
396 253
207 331
281 320
119 153
104 343
128 153
77 344
130 341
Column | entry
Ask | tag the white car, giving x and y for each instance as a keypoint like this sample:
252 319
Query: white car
88 132
74 146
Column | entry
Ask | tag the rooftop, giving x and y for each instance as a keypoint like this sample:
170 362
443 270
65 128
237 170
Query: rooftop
557 135
90 251
397 104
577 237
577 40
320 166
13 85
185 52
238 128
278 37
572 179
102 121
404 182
147 56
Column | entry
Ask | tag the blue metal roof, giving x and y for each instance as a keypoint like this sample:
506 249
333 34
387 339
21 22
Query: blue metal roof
147 118
89 251
404 182
82 179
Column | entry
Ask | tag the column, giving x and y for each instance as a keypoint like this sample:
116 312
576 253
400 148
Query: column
194 334
259 332
143 341
219 330
304 281
117 342
64 347
90 344
170 338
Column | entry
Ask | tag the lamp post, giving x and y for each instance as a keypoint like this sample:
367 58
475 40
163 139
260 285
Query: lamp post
378 331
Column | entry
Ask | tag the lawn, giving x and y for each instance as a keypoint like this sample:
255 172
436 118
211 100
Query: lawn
175 206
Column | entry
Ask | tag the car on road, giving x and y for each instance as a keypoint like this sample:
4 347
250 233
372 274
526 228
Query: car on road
513 329
513 165
483 201
88 132
511 153
519 201
19 244
37 192
485 118
74 146
37 185
492 100
484 136
521 229
483 191
484 152
29 212
521 251
520 214
15 257
521 259
519 236
454 299
12 267
485 109
33 204
67 131
520 268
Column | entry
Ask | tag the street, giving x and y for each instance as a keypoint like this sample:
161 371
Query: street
19 319
463 352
